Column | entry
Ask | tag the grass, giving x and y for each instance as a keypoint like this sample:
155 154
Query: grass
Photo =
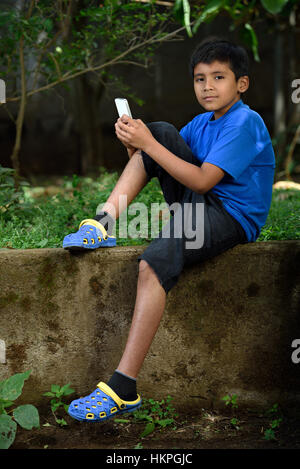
283 221
39 220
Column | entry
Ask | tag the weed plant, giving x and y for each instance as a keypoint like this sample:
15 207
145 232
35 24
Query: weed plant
57 394
154 415
26 415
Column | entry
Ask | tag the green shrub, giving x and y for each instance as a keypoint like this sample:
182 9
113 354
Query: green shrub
11 200
31 221
283 221
26 416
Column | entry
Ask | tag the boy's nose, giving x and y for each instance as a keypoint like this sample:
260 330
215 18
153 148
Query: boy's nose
208 85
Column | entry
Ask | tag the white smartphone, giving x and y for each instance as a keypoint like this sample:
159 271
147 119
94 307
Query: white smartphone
123 107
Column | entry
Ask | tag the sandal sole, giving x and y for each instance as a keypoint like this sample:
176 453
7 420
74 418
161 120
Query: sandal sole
126 411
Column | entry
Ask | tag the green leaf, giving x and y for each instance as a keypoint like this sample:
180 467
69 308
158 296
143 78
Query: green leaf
8 430
61 422
226 398
66 407
55 388
48 25
55 404
274 6
11 388
66 390
49 394
4 403
182 12
165 422
43 243
269 434
251 38
27 416
212 7
148 429
187 17
178 9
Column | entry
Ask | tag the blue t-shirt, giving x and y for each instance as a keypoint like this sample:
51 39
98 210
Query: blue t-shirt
240 144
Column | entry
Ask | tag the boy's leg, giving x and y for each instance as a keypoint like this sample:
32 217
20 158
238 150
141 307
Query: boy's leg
119 394
149 308
197 215
130 183
151 295
169 137
162 262
91 234
149 305
154 281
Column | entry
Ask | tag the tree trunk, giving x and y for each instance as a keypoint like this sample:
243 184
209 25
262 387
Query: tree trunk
294 68
20 119
293 107
87 104
279 95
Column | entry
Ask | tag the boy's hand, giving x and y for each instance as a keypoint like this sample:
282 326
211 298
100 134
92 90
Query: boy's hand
133 133
130 149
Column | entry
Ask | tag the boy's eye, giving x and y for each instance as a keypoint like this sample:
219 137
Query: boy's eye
217 77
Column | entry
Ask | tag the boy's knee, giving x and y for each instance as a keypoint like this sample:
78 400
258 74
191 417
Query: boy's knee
145 271
161 128
147 275
144 266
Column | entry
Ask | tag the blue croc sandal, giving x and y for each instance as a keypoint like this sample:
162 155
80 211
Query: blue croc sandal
101 404
91 235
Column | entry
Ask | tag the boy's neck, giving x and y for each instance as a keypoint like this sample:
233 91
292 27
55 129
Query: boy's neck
213 117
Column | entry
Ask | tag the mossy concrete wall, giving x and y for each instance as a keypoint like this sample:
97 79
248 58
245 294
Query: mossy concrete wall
228 327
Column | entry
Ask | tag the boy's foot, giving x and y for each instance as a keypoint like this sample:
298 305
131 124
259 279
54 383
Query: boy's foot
91 235
101 404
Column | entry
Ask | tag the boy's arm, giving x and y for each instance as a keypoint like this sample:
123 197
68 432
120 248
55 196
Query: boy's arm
199 179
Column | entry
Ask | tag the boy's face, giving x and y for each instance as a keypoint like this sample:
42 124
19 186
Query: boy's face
216 87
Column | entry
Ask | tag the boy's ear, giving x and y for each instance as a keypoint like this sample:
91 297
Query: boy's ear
243 83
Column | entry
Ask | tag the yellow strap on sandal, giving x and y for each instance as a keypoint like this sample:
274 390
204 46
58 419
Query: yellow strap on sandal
90 221
107 390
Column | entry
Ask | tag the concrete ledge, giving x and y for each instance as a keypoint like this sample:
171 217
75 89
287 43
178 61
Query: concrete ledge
228 325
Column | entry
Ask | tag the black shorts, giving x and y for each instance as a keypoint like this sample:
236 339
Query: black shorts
200 228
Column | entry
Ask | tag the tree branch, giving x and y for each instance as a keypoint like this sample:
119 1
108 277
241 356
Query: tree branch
43 52
56 64
69 76
30 9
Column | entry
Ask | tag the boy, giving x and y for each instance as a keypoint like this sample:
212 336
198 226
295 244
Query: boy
222 160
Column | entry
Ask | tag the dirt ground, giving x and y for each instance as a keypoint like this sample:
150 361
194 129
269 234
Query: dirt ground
206 430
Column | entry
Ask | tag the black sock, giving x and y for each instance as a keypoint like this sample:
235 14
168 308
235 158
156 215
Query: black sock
123 385
106 220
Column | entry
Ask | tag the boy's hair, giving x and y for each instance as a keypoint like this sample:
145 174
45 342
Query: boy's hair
214 48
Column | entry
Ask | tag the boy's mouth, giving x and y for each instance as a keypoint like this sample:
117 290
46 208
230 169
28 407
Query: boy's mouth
209 98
